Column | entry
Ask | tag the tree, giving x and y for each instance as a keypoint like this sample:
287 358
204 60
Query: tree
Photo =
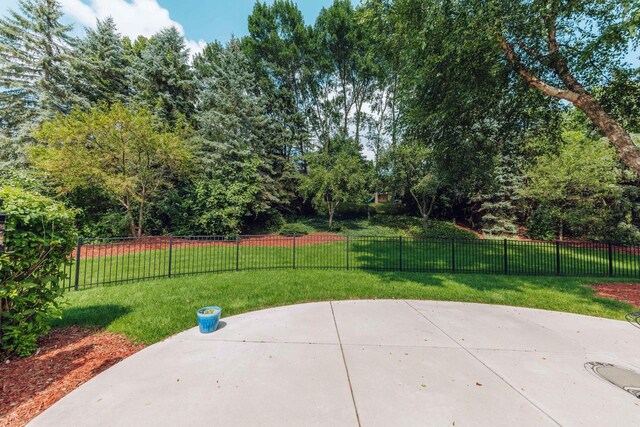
338 41
336 177
576 188
279 46
414 173
621 98
116 149
565 48
463 113
100 65
34 65
234 135
162 78
499 204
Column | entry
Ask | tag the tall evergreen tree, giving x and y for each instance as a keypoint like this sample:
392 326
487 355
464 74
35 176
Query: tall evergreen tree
34 64
234 141
498 205
162 77
100 65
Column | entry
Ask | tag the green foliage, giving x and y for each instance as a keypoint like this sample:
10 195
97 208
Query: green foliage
398 222
542 224
162 78
499 206
40 235
295 228
575 188
109 224
234 131
336 178
34 67
222 202
621 98
100 66
441 230
437 90
117 149
414 174
389 208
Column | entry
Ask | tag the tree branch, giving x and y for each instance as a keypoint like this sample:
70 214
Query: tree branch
514 59
556 60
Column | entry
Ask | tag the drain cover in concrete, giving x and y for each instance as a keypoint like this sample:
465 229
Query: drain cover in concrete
623 378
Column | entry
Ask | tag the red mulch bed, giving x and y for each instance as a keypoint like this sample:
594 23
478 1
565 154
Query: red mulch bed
67 358
154 243
628 292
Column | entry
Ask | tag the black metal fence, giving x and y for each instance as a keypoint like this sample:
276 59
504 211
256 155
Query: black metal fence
110 261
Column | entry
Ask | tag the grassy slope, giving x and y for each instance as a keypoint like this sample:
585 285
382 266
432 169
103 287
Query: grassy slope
152 310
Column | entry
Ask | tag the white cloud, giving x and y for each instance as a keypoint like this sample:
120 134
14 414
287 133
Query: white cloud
134 18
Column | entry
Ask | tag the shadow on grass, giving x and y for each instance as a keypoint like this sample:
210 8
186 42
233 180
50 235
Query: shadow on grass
573 287
101 315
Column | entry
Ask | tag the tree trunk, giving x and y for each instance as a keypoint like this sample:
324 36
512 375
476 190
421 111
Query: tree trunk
627 150
561 231
331 210
132 223
141 212
576 94
425 212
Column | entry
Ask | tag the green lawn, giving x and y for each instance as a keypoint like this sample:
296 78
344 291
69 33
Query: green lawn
380 253
151 310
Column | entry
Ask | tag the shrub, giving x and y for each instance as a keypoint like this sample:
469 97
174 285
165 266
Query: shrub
542 225
624 233
353 210
39 236
400 222
295 228
274 222
442 229
389 208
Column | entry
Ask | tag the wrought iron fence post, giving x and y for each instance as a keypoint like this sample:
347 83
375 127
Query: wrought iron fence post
400 240
610 260
170 255
294 251
78 248
347 252
506 259
557 258
237 253
453 255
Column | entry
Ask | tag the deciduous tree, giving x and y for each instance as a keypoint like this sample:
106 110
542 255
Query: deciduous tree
118 149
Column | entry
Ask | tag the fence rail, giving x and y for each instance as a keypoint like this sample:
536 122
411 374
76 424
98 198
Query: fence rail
119 260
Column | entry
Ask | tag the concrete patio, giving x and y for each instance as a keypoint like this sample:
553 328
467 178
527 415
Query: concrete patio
369 363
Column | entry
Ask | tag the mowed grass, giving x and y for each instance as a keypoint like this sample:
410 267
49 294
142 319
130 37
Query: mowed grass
152 310
380 253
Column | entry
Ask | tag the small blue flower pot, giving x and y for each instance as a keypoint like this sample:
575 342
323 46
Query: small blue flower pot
208 322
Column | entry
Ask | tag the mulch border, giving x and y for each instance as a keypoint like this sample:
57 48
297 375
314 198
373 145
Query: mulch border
66 358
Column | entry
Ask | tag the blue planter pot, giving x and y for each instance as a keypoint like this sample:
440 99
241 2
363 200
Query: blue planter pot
208 322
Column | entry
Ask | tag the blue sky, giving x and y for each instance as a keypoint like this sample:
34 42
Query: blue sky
218 19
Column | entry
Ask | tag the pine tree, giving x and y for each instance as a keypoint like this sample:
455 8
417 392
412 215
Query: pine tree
34 65
234 130
498 207
162 77
100 65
